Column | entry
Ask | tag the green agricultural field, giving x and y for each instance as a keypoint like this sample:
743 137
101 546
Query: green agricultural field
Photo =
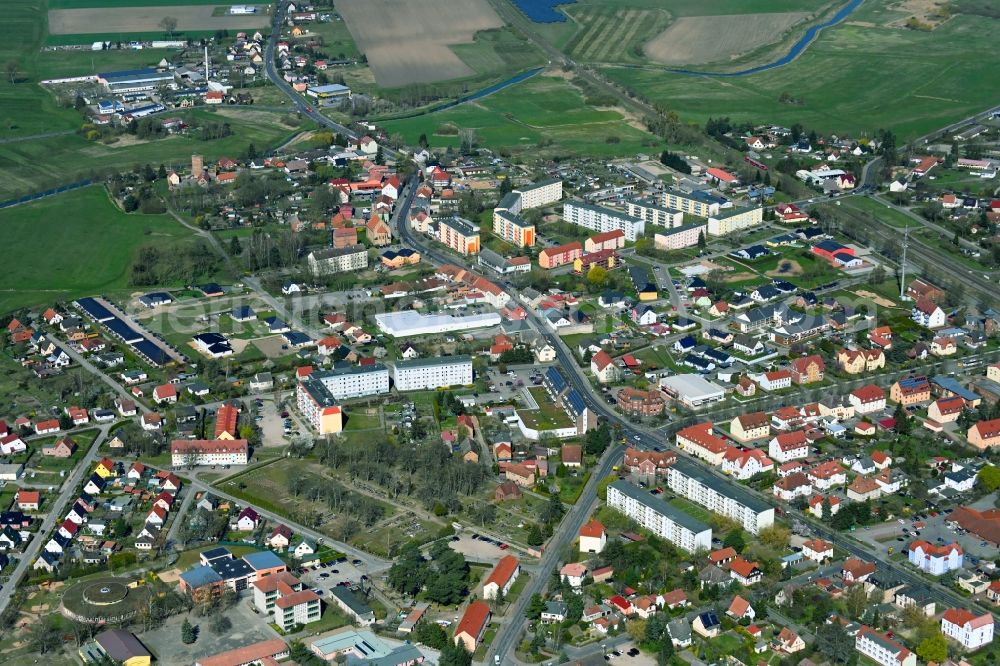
858 76
74 244
542 112
495 52
83 4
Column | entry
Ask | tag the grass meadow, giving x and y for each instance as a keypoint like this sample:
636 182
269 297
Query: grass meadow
542 113
856 77
74 244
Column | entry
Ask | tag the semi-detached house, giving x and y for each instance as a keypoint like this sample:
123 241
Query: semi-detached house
699 441
867 399
788 446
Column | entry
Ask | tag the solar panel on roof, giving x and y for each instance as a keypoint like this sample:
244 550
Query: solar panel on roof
123 330
94 309
576 402
556 379
153 353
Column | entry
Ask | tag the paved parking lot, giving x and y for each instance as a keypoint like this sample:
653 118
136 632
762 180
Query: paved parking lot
477 550
248 627
325 578
934 530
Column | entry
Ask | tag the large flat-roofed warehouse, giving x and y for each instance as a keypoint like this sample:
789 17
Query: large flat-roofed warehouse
408 322
692 390
135 80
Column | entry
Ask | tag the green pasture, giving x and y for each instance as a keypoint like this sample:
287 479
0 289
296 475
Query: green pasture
541 113
74 244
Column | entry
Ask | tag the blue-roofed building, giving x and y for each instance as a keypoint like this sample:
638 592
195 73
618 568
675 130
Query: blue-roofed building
243 313
94 310
575 403
123 331
945 387
156 298
297 339
153 354
707 624
200 581
264 559
134 80
555 380
277 325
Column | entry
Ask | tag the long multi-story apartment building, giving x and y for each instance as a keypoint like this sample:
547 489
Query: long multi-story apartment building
729 220
542 193
353 381
678 238
660 518
338 260
459 234
689 479
432 373
702 204
652 212
318 406
187 452
599 218
514 229
551 257
882 650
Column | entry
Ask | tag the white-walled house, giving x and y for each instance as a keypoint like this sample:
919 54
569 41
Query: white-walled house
970 630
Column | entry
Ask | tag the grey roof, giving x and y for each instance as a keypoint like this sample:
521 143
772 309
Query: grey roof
680 629
725 488
351 600
406 364
656 504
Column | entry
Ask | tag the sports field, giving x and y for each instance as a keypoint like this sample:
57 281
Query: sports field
408 42
113 20
696 40
543 115
856 77
74 244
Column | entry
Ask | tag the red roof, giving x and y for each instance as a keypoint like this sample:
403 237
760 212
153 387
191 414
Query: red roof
739 607
475 619
165 391
225 421
742 568
503 571
602 359
607 235
592 529
868 393
721 175
208 446
962 617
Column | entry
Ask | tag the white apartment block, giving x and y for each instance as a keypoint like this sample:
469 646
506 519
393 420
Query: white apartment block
187 452
658 517
354 381
338 260
678 238
598 218
651 212
882 650
972 631
542 193
731 220
432 373
701 204
690 480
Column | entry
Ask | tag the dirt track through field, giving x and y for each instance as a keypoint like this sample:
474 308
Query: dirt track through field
696 40
108 20
408 42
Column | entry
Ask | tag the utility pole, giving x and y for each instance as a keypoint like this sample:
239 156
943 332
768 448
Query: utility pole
902 265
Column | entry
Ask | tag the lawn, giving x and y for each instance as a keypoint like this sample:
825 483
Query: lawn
81 4
74 244
880 211
546 113
856 77
548 415
494 52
